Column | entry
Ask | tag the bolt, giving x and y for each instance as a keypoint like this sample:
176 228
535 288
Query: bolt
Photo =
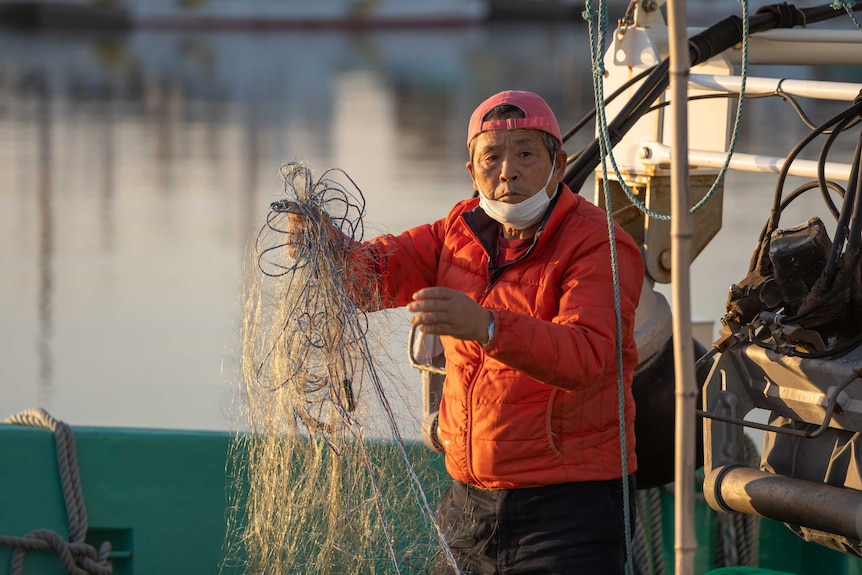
650 5
646 153
664 260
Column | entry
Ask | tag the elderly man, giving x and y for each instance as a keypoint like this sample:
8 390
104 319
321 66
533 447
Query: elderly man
518 284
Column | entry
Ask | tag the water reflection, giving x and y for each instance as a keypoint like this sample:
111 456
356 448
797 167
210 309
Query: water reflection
44 195
134 169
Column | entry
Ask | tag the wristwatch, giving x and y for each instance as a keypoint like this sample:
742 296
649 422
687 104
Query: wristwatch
490 332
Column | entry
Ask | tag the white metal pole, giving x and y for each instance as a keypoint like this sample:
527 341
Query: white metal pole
685 543
754 85
655 154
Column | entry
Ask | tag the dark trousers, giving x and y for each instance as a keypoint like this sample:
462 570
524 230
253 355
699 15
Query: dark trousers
566 529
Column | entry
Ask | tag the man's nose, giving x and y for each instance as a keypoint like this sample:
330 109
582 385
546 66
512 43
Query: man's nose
508 169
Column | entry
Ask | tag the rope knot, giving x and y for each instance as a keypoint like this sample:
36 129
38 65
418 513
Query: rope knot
788 14
77 556
598 68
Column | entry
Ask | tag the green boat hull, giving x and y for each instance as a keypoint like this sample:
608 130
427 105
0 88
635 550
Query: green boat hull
161 498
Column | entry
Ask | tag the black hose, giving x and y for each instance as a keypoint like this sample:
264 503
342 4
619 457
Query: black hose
808 186
841 229
652 87
853 239
614 95
775 214
853 258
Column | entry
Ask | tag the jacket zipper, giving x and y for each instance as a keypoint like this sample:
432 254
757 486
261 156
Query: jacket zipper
494 275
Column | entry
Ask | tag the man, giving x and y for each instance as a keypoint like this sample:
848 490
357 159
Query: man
518 284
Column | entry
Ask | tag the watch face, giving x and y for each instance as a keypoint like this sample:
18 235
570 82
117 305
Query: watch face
490 331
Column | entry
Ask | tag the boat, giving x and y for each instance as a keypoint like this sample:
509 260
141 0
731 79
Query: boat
238 15
150 500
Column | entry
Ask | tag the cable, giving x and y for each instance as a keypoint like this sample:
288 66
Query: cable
759 259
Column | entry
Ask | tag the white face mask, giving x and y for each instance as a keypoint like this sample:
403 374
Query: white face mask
522 215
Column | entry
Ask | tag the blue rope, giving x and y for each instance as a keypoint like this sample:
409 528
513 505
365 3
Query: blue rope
847 5
601 118
597 49
739 105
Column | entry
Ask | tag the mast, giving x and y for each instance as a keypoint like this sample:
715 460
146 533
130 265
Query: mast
685 542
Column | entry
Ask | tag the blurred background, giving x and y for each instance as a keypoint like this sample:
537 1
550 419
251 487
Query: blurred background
140 147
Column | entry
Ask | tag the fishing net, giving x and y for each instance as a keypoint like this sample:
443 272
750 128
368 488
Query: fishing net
323 481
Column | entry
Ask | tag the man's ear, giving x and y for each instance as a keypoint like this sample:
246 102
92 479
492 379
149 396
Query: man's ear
472 177
560 159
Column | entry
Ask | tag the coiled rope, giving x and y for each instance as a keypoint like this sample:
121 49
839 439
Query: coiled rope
78 557
736 537
648 544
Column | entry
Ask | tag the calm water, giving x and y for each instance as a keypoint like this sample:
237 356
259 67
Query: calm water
135 169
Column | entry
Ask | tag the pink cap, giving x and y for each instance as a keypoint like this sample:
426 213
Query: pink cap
538 115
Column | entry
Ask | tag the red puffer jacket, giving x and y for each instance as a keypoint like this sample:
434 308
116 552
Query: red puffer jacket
539 406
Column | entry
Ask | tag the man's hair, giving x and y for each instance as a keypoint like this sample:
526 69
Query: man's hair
504 111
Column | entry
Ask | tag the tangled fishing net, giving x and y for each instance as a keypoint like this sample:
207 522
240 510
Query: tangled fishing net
324 481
